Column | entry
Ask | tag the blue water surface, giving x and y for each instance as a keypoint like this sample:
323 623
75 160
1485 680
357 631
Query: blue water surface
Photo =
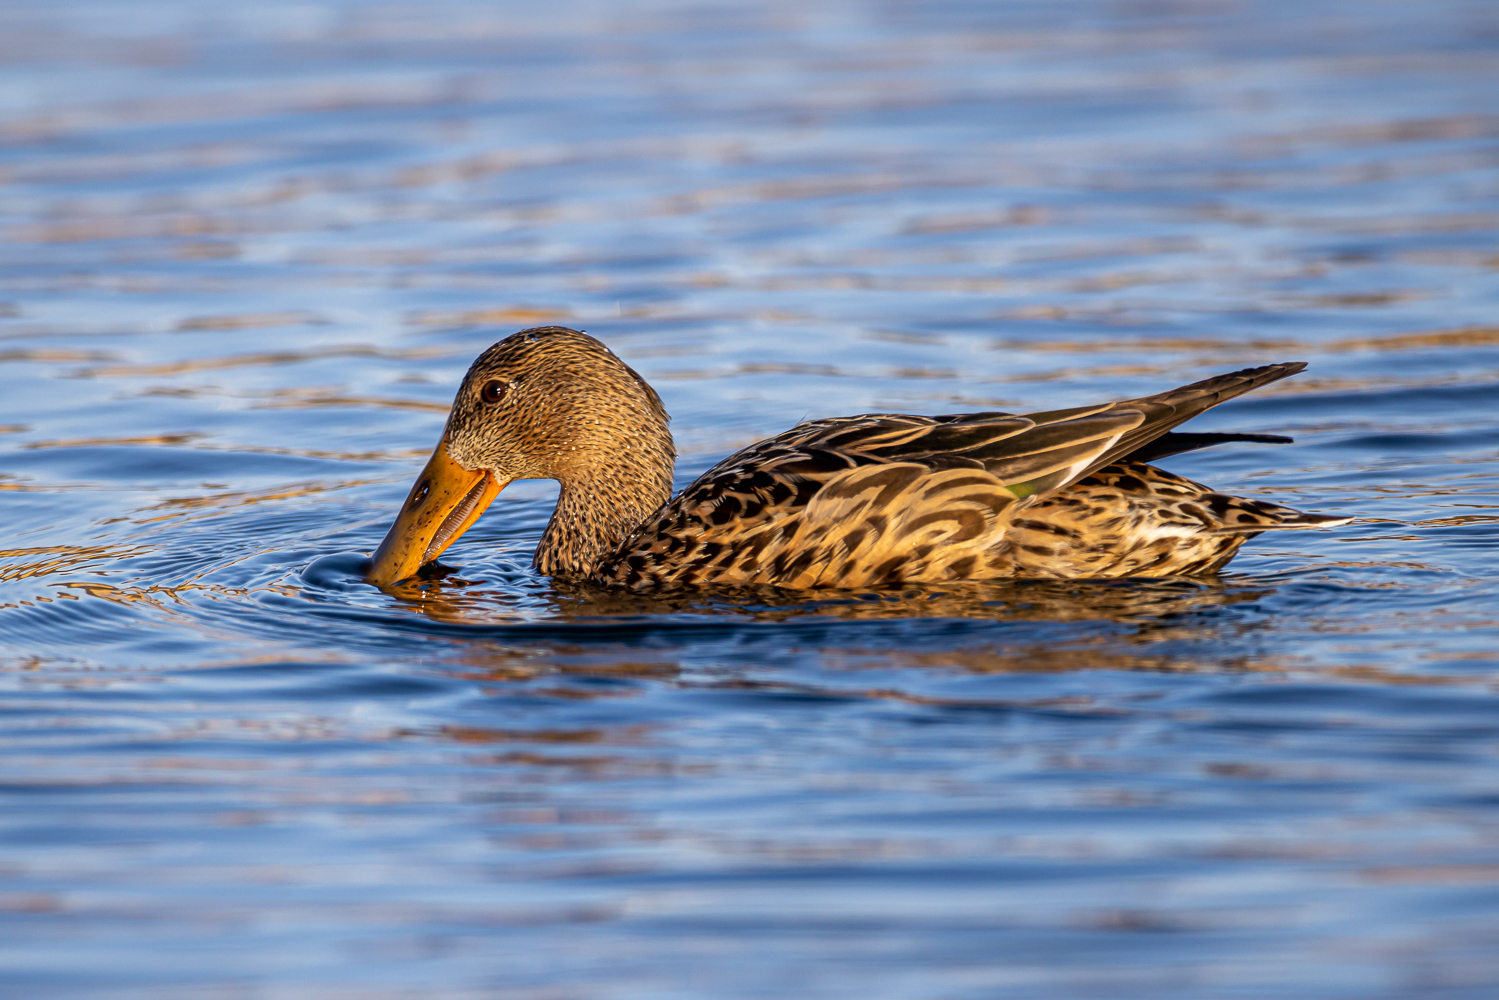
246 254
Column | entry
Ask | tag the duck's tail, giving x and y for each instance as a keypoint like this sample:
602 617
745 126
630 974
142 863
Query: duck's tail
1177 442
1239 516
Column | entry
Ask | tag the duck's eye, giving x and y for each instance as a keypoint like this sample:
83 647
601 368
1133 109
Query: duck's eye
493 392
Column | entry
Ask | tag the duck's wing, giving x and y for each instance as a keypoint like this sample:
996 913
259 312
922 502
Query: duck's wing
1163 411
1034 454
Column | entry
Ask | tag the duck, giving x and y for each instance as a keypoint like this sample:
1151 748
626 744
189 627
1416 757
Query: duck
872 500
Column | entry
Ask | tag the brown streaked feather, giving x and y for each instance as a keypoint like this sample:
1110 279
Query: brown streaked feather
882 524
1132 519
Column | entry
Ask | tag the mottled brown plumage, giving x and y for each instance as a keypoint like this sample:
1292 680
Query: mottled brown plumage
856 501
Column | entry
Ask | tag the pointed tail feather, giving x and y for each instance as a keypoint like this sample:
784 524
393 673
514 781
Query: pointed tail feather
1178 442
1284 518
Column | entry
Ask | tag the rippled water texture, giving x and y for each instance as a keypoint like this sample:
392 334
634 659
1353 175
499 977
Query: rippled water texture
246 253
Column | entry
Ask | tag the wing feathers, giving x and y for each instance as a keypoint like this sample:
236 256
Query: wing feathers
875 437
1047 450
1166 410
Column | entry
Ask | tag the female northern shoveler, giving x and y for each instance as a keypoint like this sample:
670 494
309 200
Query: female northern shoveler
881 498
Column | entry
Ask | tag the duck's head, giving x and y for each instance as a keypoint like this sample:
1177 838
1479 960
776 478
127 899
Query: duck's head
546 403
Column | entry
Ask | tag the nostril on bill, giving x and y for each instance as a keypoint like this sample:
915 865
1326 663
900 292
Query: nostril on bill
422 490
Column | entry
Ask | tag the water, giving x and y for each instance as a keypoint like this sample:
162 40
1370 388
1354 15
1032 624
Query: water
246 254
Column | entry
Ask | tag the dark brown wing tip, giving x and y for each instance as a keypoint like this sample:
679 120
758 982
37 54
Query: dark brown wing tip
1230 384
1285 367
1267 373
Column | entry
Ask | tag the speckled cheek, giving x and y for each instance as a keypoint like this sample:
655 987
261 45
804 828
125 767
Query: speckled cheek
473 451
462 449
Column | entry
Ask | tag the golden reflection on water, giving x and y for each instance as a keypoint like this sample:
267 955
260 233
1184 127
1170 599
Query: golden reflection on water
497 316
48 560
1459 337
248 321
1173 626
1155 611
257 360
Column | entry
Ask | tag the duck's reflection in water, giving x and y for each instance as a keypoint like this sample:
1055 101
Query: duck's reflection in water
987 627
1139 600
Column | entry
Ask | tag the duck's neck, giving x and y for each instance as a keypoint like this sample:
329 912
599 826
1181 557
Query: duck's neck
602 502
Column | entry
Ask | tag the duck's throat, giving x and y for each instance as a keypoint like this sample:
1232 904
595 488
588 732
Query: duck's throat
594 515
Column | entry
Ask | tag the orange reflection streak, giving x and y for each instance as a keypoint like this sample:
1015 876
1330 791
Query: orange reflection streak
257 359
194 440
54 354
249 321
92 442
478 317
245 498
59 558
310 402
